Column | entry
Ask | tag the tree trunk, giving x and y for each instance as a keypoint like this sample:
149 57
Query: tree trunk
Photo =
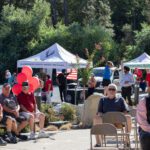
1 6
65 12
53 11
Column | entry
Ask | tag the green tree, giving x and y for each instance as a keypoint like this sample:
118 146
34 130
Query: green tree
97 12
19 31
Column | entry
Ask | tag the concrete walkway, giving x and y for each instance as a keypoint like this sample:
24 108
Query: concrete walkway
61 140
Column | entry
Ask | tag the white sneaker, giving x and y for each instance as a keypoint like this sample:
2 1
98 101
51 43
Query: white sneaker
42 134
32 135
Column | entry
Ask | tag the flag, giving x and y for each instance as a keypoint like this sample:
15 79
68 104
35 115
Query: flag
72 75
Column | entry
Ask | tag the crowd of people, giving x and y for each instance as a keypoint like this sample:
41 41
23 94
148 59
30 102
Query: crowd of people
16 112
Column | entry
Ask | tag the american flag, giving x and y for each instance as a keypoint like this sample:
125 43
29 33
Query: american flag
72 75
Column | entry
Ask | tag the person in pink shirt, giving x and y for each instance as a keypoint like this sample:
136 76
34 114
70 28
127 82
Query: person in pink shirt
143 119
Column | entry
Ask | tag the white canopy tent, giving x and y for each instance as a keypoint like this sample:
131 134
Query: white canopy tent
53 57
141 62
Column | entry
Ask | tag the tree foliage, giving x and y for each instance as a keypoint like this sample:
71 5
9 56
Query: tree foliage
29 26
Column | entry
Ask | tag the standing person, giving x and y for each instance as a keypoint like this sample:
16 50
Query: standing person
107 76
126 85
30 111
143 119
13 79
48 89
62 83
91 85
7 75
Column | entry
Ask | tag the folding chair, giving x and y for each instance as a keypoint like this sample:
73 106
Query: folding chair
134 126
118 118
104 130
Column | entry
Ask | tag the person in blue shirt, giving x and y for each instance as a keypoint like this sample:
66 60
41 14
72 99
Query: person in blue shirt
107 76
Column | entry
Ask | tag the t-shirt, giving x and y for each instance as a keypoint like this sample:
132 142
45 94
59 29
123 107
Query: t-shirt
107 73
48 82
111 105
148 78
62 79
27 100
9 101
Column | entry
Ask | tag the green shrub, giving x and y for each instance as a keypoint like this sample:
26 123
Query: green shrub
49 113
69 112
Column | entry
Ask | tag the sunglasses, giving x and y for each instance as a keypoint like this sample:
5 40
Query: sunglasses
25 87
112 89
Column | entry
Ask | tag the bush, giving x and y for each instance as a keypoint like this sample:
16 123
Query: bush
69 112
49 113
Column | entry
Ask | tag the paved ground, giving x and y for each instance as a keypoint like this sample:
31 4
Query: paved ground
60 140
63 140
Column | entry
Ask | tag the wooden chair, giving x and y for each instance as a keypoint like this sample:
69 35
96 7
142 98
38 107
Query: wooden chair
104 130
120 121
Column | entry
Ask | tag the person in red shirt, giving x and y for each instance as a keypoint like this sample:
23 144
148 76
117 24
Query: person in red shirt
29 109
48 89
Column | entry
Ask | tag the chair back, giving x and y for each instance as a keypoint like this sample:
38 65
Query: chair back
114 117
104 129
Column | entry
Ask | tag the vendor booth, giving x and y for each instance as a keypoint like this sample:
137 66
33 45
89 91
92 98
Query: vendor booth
53 57
141 62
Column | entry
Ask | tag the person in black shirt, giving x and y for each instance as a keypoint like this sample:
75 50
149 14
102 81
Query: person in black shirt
62 83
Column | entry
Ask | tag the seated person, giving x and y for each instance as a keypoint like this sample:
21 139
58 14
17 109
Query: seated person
110 103
143 119
11 110
29 110
2 142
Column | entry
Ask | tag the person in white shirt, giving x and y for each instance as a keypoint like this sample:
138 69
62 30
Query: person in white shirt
126 85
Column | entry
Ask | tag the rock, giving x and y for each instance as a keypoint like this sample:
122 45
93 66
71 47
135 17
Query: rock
90 109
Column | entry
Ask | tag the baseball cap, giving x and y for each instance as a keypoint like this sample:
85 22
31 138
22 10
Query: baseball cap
25 84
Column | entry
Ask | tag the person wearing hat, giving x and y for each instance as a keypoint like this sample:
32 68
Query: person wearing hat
14 121
29 109
126 85
91 85
110 103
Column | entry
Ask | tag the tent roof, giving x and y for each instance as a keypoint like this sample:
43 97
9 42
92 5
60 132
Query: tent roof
53 57
142 62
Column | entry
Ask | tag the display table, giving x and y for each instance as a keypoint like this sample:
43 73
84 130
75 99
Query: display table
75 95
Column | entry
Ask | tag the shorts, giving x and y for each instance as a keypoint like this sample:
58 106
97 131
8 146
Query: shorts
7 115
27 114
106 82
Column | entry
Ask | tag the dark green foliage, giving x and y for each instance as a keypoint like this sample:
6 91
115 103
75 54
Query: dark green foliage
29 26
